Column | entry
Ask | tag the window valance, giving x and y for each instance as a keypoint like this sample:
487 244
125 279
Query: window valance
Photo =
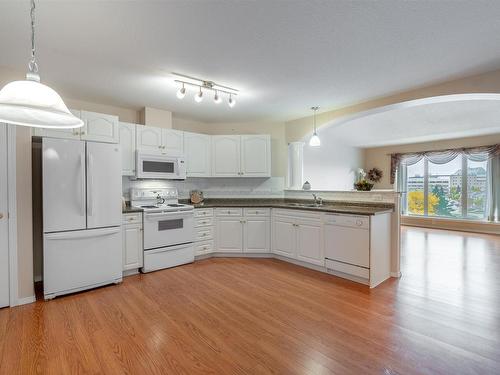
443 156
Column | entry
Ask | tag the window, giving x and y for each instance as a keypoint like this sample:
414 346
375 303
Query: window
456 189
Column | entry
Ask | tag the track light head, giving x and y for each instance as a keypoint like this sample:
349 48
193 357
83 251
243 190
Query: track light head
231 101
199 96
217 98
181 93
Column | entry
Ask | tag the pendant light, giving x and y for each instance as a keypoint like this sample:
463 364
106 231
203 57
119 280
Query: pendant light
199 96
31 103
315 141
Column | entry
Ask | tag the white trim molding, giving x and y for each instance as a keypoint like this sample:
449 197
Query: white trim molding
11 181
25 300
462 225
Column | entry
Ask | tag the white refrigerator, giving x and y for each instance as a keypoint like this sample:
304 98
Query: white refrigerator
82 189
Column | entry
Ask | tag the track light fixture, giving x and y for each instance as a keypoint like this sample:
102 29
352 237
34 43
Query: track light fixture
205 85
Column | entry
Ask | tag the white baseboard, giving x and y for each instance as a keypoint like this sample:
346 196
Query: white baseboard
25 300
395 274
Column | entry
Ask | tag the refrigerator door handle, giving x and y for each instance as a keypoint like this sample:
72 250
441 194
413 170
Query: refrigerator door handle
82 234
82 185
90 193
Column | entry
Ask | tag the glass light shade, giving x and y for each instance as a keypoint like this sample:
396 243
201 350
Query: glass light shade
198 97
231 102
315 141
217 98
181 93
31 103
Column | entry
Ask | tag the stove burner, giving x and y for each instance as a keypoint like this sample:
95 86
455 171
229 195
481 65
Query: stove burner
149 207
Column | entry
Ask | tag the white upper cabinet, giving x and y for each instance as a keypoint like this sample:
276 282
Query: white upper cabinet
60 133
226 155
256 155
241 156
127 145
197 149
100 127
149 138
173 141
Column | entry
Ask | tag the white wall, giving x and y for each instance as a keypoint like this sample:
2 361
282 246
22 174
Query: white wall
332 166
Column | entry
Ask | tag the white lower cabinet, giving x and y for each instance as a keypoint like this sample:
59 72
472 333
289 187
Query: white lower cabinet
133 250
298 235
243 230
204 231
256 234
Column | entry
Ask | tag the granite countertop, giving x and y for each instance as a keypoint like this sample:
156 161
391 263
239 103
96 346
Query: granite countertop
353 208
128 209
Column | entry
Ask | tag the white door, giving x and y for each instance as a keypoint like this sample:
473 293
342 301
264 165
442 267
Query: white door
256 155
310 242
60 133
63 181
197 149
230 234
149 138
226 156
284 237
256 235
100 127
4 223
132 246
173 140
104 185
127 145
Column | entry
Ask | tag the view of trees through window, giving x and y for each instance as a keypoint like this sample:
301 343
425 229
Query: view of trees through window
457 189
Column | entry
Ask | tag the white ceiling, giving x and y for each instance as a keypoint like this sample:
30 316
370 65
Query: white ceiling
284 56
422 120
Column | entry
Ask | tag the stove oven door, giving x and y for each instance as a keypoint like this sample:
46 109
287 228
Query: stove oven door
167 229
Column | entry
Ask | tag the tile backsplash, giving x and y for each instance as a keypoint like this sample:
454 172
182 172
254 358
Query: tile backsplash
215 187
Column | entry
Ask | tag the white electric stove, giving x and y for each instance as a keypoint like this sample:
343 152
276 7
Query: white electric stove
168 228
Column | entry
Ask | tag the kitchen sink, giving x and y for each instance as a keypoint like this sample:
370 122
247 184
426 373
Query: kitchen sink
305 204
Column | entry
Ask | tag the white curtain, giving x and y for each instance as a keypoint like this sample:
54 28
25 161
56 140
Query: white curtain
493 208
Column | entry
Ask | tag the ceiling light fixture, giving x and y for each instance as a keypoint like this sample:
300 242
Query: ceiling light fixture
31 103
315 141
199 96
205 85
181 93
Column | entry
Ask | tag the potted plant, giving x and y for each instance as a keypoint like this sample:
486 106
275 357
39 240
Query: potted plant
362 184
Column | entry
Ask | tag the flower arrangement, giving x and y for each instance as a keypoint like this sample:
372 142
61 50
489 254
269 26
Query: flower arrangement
362 183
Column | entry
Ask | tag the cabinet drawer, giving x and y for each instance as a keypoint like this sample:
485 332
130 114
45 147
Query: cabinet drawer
361 222
204 233
228 211
347 268
133 218
204 247
257 211
204 222
203 212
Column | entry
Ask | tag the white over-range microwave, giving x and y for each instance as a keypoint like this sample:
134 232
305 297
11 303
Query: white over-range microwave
160 166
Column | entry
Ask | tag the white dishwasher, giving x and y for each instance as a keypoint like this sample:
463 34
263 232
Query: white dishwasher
347 244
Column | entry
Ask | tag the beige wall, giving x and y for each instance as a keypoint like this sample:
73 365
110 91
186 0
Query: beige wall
275 129
380 156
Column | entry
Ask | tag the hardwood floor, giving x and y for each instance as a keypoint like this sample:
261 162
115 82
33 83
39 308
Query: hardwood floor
258 316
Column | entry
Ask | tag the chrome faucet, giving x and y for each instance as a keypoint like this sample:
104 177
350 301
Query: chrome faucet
317 200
